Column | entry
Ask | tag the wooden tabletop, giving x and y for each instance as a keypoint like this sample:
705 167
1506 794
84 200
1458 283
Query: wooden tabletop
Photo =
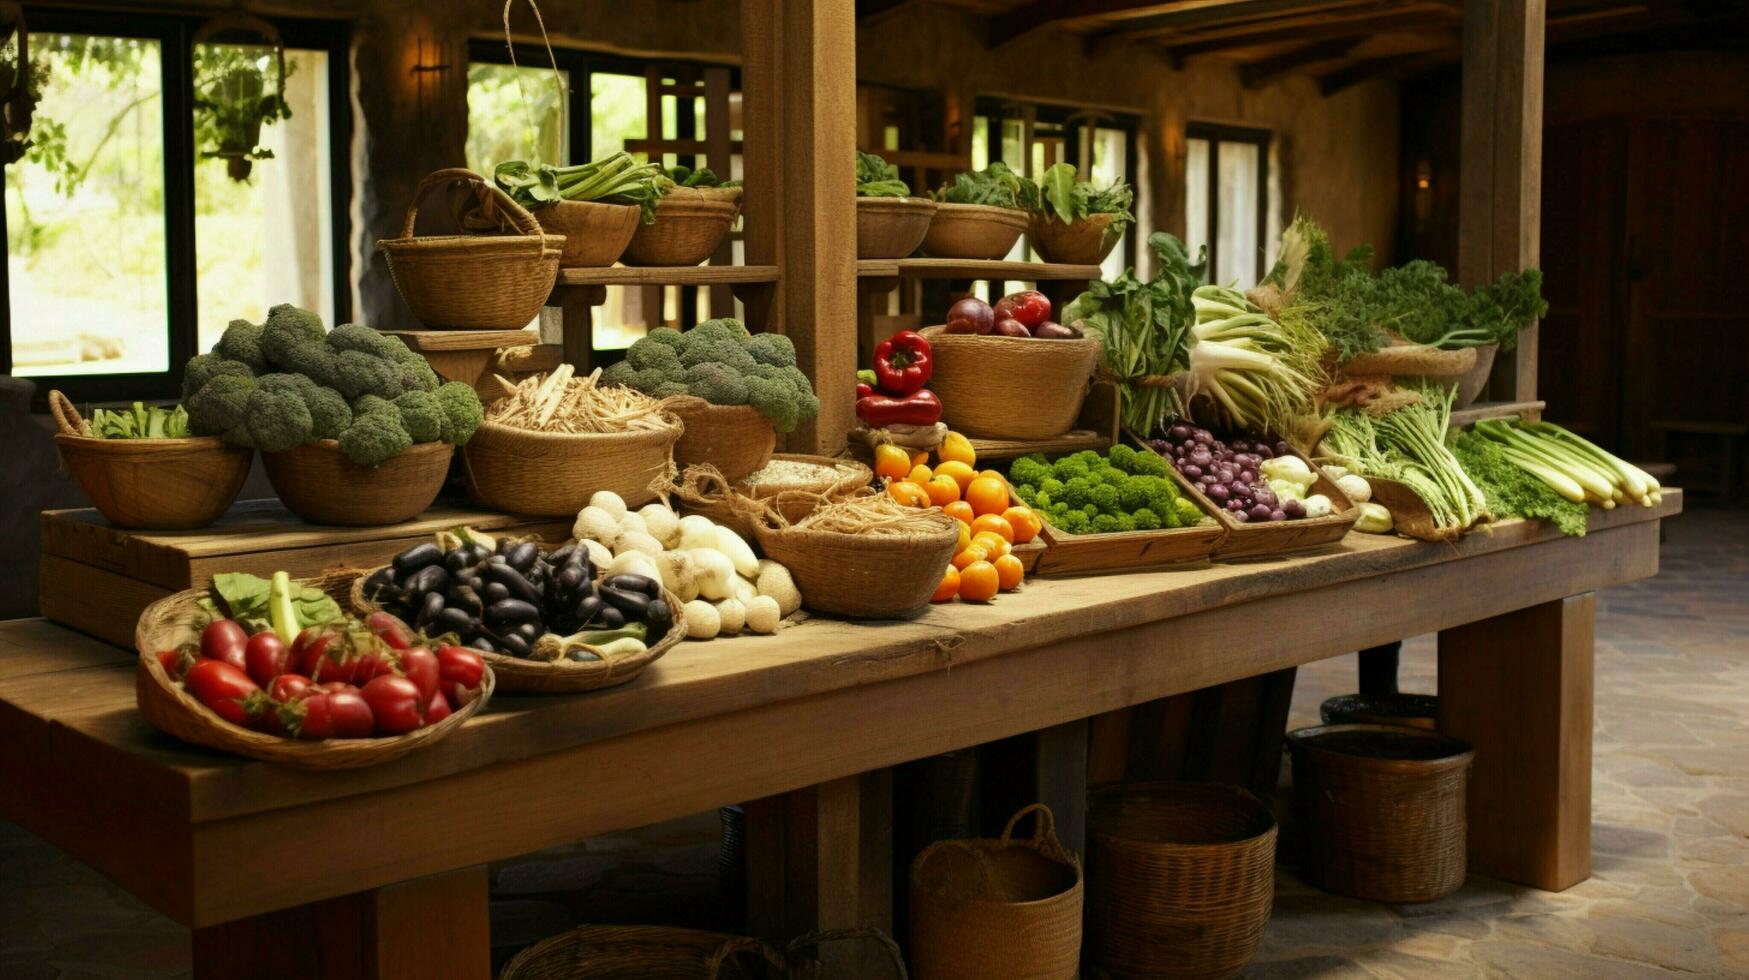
208 837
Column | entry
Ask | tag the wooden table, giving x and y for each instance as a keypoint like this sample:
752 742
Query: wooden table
383 869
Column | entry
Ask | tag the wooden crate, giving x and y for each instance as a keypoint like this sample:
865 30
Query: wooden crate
1081 554
97 578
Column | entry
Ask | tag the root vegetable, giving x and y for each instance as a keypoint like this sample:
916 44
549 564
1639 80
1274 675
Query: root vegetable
596 524
740 555
774 581
763 614
679 574
662 523
609 501
745 590
697 531
714 573
599 554
634 563
702 620
1355 487
637 541
731 615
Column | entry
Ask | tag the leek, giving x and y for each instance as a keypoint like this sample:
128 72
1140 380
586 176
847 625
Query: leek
1260 372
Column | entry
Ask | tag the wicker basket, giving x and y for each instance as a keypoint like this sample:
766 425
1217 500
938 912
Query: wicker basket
1382 810
474 282
150 484
319 484
687 231
1084 241
1181 878
974 231
1000 909
553 474
1396 710
704 491
1010 387
171 622
862 576
517 676
596 234
1414 362
736 439
891 227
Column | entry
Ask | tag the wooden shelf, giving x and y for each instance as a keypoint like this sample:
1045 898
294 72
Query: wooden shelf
1002 450
429 341
1497 410
685 275
973 269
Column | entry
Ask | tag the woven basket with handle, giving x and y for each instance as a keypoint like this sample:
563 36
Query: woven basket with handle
1039 387
1181 879
736 439
1382 809
553 474
177 619
703 490
1005 909
474 282
150 484
862 576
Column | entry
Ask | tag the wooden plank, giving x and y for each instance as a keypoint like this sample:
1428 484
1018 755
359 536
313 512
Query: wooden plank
682 275
994 269
430 341
1060 775
92 600
1530 410
36 646
1518 688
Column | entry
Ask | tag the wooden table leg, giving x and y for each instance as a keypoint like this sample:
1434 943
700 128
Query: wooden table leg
1518 688
821 858
428 927
1060 772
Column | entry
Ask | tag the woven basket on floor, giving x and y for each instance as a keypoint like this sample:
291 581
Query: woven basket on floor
553 474
1382 810
319 484
596 234
736 439
150 484
1180 879
687 231
1002 909
891 227
703 490
862 576
176 619
1084 241
974 231
1043 383
474 282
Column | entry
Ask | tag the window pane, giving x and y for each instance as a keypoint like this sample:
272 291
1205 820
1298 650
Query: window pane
269 239
1196 196
85 214
1238 246
1110 159
616 113
980 142
516 114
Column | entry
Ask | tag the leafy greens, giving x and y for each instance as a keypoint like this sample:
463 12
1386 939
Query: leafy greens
994 186
1059 194
876 177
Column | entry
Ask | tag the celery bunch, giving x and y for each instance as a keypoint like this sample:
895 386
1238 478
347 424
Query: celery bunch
619 179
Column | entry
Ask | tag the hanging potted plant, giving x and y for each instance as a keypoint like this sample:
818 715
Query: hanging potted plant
239 87
20 84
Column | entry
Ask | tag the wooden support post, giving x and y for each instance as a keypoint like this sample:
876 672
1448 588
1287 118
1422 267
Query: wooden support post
577 318
822 858
1500 175
1060 772
428 927
1518 688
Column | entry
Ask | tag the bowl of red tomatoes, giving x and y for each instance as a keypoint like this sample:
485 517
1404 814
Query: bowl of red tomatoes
335 695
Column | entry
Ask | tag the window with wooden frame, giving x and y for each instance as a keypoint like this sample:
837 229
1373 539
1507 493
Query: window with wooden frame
1226 189
128 250
680 113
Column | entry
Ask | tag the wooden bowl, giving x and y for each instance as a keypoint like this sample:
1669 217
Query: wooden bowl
553 474
319 484
862 576
736 439
1043 383
157 484
686 232
891 227
974 231
1414 362
1475 381
596 234
1085 241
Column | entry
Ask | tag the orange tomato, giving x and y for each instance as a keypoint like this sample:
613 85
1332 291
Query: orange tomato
920 459
994 545
942 490
965 535
920 474
1026 523
908 493
996 523
957 449
949 587
988 495
962 474
992 474
1009 572
971 553
979 582
891 462
960 511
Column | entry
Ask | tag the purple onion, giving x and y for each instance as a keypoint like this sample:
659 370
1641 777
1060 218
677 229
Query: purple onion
1293 508
1241 517
1236 505
1281 448
1265 452
1278 515
1180 432
1218 493
1191 470
1260 512
1264 495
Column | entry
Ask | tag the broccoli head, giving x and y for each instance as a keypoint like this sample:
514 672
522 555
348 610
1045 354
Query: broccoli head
667 337
202 368
1146 520
1104 496
1137 492
1069 468
776 401
1189 514
241 341
651 355
716 383
622 373
421 415
1029 471
218 407
1147 463
277 417
1072 522
329 413
772 348
287 331
730 324
668 389
357 373
1028 495
1105 524
709 342
1108 474
365 404
462 412
375 437
366 340
1122 457
415 371
1077 491
1051 485
1044 499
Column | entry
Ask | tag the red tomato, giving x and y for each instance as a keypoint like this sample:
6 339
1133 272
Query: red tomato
390 629
1030 307
313 720
176 662
266 657
420 666
394 703
460 671
224 640
436 709
351 715
226 690
309 647
282 693
288 687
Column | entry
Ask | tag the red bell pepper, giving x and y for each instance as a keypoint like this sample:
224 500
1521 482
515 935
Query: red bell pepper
903 363
918 408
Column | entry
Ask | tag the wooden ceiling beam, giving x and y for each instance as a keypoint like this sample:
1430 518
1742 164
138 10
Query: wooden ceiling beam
1255 13
1358 27
1260 73
1363 71
1041 13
